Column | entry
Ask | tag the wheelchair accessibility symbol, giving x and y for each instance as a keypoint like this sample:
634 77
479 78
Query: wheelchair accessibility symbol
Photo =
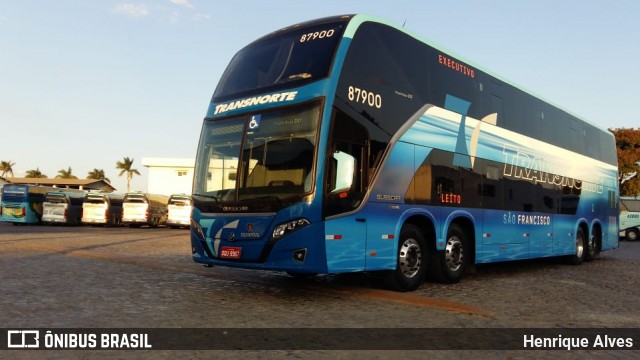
255 122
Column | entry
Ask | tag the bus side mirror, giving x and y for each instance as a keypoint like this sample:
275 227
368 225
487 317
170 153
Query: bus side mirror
342 172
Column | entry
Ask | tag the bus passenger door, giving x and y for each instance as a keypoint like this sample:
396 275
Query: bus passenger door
346 180
506 234
503 235
345 236
541 223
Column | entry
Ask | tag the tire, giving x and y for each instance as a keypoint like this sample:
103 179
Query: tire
632 234
592 248
578 257
449 265
411 260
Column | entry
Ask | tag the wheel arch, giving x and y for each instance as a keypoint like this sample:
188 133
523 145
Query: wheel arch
582 224
596 229
467 223
424 222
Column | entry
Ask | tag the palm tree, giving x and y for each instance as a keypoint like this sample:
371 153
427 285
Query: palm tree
125 167
97 174
7 168
65 174
36 174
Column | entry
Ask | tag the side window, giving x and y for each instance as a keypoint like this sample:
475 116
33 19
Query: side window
347 165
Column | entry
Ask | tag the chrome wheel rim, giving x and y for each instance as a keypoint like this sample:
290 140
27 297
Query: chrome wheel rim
410 258
579 247
454 253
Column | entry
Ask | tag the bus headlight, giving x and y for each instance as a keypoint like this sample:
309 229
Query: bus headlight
195 227
288 227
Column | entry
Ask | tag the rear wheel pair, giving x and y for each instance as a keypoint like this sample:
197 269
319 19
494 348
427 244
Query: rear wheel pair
415 259
585 249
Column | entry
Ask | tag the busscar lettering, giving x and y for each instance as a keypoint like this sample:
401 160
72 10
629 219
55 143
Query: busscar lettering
256 100
387 197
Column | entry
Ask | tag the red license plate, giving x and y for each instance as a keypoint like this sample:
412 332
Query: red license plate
230 252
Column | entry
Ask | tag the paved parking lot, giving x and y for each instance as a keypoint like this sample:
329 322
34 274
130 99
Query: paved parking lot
92 277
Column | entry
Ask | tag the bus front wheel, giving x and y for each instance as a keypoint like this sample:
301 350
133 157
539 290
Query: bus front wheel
450 264
632 234
411 265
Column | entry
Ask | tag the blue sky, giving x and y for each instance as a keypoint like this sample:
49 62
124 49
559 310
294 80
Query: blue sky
85 83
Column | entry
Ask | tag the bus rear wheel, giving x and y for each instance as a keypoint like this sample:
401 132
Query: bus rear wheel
450 264
578 257
593 247
411 265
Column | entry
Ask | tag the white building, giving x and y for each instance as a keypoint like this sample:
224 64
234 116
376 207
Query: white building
169 175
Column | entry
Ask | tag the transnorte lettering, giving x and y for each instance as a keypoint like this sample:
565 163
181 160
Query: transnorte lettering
256 100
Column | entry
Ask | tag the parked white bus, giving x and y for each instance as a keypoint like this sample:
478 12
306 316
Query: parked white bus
62 207
144 209
179 210
102 209
630 218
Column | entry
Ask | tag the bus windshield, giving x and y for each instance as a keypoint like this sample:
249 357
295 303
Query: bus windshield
135 198
14 193
55 198
95 199
289 58
180 200
268 157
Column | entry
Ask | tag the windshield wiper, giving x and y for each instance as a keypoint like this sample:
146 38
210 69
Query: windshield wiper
294 77
208 197
299 76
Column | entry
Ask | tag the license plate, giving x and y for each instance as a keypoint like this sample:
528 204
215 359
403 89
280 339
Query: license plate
230 252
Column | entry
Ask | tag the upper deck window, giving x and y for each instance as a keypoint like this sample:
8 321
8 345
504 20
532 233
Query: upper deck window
290 57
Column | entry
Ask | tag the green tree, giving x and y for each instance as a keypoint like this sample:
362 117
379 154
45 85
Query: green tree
36 174
628 146
97 174
125 168
66 174
7 168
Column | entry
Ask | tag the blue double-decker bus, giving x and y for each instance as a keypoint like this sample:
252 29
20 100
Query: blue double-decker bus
349 144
